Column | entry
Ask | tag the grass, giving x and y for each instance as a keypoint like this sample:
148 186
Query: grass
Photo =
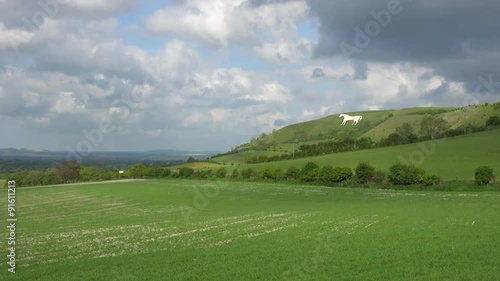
240 157
207 230
452 158
2 182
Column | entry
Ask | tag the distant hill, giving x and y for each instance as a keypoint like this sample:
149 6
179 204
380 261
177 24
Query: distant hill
160 155
13 159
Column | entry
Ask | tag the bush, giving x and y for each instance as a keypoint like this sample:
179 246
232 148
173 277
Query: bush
292 173
484 175
203 174
364 173
341 174
267 172
327 174
247 173
403 174
278 174
430 180
236 173
165 173
185 172
337 174
50 177
310 172
221 172
380 177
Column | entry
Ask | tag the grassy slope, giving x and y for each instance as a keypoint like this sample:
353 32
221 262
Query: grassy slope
197 165
240 157
452 158
252 231
376 125
332 122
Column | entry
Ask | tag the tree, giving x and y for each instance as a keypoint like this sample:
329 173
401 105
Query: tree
68 171
33 178
191 160
50 177
364 173
19 178
392 139
91 173
407 133
138 170
483 175
432 127
493 121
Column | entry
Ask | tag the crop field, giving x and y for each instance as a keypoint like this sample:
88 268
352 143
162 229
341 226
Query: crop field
210 230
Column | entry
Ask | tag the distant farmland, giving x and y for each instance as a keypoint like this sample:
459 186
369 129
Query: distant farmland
208 230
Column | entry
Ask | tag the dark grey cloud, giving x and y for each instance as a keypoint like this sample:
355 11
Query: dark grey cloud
457 38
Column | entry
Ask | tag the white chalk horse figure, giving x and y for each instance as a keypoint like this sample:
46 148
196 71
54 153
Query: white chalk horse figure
354 119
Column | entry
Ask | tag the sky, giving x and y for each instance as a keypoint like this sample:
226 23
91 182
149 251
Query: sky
116 75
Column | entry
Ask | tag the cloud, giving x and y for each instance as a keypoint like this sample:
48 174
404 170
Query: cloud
66 103
456 39
228 70
32 15
271 27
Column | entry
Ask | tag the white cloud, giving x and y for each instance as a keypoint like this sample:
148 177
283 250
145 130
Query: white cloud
274 92
66 103
210 21
13 38
386 83
221 22
220 114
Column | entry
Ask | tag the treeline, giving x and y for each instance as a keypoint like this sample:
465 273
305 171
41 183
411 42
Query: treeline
72 172
10 165
364 174
430 128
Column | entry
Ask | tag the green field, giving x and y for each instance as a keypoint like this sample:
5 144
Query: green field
452 158
207 230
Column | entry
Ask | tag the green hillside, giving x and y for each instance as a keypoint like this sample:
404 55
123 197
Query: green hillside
375 124
452 158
